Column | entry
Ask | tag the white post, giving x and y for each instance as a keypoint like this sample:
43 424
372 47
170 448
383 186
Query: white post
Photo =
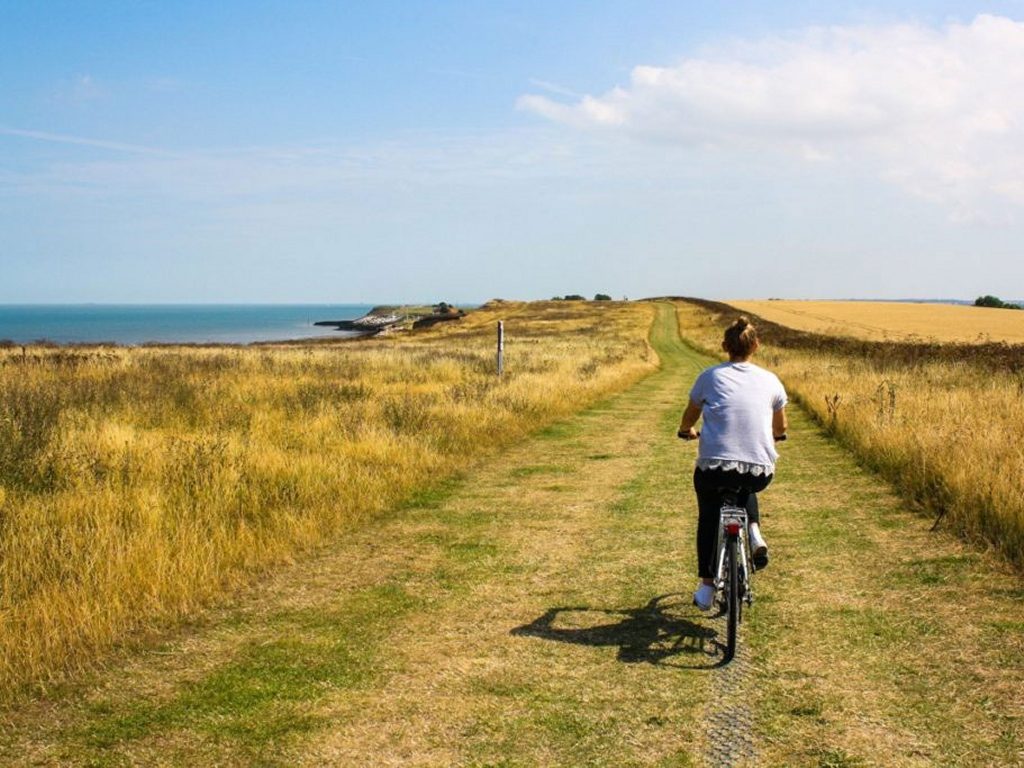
501 347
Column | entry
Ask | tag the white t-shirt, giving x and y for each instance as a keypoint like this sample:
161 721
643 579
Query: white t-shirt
737 401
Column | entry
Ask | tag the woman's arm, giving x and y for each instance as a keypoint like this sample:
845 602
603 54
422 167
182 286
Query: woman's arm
690 416
779 422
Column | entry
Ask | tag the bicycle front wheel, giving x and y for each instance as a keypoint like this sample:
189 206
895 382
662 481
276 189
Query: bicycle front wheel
732 596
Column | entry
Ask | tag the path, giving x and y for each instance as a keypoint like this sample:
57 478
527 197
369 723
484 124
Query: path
537 612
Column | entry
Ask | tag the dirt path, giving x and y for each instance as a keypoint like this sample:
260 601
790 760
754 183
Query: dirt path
537 612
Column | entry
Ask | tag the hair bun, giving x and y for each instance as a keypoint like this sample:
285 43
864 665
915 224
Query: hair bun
741 338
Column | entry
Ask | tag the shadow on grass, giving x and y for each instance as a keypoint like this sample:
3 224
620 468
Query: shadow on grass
659 632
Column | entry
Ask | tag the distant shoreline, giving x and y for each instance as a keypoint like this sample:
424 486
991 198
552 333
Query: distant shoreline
96 325
390 318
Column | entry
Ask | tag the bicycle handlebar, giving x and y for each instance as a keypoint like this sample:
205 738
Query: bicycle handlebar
686 436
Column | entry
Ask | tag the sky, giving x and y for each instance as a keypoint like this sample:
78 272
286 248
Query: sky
250 152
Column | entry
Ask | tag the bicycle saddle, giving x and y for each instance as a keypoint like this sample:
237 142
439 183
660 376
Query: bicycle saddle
731 495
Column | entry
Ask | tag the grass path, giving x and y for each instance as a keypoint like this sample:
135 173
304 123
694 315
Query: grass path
536 612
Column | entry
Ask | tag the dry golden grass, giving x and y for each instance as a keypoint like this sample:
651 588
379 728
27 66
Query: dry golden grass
138 484
896 321
946 433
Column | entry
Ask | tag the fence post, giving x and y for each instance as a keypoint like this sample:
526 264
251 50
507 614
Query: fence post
501 347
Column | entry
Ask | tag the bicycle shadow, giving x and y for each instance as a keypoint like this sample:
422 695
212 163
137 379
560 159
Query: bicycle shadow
658 633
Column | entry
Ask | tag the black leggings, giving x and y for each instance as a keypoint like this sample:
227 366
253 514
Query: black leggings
709 502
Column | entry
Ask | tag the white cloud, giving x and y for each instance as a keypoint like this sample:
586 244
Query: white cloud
939 111
546 85
114 170
63 138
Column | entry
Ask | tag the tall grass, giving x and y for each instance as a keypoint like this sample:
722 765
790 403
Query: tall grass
138 484
947 433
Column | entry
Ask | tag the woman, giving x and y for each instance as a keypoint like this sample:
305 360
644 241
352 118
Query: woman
744 409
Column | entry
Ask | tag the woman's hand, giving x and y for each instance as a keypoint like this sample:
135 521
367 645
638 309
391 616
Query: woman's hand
688 434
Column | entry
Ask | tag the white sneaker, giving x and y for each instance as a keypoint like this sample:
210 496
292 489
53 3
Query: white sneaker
758 547
704 597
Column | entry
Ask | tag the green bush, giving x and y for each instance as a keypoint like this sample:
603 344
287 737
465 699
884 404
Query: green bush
993 301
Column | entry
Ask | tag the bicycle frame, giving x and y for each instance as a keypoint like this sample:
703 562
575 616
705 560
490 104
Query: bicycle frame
733 523
732 577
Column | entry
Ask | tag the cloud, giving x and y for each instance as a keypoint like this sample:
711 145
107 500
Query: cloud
62 138
938 111
329 170
550 87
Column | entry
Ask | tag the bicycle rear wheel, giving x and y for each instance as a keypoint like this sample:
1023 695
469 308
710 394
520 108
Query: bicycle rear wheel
732 596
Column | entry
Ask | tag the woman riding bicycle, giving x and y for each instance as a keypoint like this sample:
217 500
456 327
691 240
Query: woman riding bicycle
744 409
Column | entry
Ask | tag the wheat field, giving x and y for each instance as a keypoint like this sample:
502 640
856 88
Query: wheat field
139 484
945 432
893 321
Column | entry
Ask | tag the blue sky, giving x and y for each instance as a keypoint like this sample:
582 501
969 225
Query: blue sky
386 151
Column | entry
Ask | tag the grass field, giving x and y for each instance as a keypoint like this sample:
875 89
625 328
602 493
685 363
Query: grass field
946 432
139 484
536 611
882 321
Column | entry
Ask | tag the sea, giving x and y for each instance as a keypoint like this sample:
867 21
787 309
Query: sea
135 324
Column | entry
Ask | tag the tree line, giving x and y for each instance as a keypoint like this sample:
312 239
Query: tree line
993 301
577 297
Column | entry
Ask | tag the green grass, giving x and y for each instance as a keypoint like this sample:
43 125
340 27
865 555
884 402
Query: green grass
540 469
258 696
434 495
560 431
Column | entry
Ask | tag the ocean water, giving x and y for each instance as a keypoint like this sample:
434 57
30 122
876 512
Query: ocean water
188 323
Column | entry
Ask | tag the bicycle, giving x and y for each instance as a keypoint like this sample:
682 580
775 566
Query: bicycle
735 566
734 563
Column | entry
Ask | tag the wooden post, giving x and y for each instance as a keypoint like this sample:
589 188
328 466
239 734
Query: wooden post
501 347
